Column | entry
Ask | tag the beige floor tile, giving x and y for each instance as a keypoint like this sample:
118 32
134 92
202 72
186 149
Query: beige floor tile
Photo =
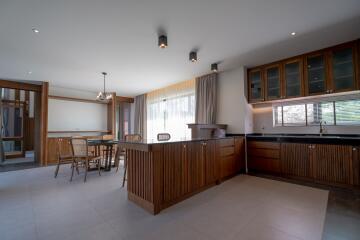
51 209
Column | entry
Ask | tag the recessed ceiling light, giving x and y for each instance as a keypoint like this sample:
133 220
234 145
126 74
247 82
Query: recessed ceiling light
29 72
193 56
293 33
162 41
35 30
214 67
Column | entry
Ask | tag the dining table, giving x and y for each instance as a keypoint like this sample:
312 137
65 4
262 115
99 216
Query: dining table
108 145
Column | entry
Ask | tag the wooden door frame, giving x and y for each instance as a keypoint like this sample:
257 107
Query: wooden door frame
43 91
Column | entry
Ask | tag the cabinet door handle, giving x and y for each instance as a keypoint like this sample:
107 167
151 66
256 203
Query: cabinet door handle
184 145
354 149
310 146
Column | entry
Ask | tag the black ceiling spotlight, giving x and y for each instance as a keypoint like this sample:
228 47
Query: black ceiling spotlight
163 41
214 67
193 56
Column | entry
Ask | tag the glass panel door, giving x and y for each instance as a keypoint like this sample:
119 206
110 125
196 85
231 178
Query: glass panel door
273 83
343 69
12 129
124 119
255 82
315 74
293 78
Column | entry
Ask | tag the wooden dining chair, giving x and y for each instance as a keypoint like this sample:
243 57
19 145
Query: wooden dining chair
80 153
163 136
105 150
64 155
129 138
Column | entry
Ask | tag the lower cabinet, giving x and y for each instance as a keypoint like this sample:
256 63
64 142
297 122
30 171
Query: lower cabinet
356 165
264 156
196 165
211 162
333 164
337 165
175 171
190 166
231 156
296 160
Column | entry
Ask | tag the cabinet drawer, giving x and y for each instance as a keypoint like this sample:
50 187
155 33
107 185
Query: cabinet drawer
265 153
264 164
226 151
264 145
226 142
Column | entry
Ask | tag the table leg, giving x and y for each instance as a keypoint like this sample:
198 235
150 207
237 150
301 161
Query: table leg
108 157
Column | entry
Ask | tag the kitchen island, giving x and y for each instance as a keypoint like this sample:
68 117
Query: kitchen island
161 174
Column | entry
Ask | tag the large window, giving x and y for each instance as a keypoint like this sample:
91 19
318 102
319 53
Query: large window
342 112
169 110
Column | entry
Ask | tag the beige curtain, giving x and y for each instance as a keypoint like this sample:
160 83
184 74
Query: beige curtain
205 93
170 109
140 115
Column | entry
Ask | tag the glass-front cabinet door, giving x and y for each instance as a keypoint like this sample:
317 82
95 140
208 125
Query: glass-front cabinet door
273 82
315 74
342 69
293 78
256 85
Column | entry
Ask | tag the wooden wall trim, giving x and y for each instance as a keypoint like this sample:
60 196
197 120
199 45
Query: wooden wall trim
111 113
44 123
75 99
20 85
124 99
81 131
118 99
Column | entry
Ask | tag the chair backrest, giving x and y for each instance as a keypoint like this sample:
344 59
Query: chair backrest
163 136
107 137
133 137
79 147
63 147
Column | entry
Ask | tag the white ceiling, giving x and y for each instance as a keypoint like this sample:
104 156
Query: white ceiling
78 39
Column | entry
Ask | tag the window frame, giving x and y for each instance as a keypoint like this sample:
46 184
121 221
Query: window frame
307 124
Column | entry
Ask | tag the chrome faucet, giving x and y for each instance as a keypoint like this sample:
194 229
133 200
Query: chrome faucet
322 128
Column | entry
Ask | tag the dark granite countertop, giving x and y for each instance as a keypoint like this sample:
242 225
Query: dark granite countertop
343 139
155 141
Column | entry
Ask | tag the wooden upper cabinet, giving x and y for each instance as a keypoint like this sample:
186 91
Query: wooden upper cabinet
256 85
316 74
293 78
273 83
343 68
330 70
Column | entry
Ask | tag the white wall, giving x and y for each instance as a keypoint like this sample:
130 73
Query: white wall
69 92
75 116
232 107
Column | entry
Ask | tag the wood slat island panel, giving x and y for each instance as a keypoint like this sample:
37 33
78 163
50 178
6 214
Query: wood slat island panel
162 174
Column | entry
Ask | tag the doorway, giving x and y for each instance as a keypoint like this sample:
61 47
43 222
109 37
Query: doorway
23 120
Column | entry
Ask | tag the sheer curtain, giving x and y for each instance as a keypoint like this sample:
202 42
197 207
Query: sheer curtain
170 109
